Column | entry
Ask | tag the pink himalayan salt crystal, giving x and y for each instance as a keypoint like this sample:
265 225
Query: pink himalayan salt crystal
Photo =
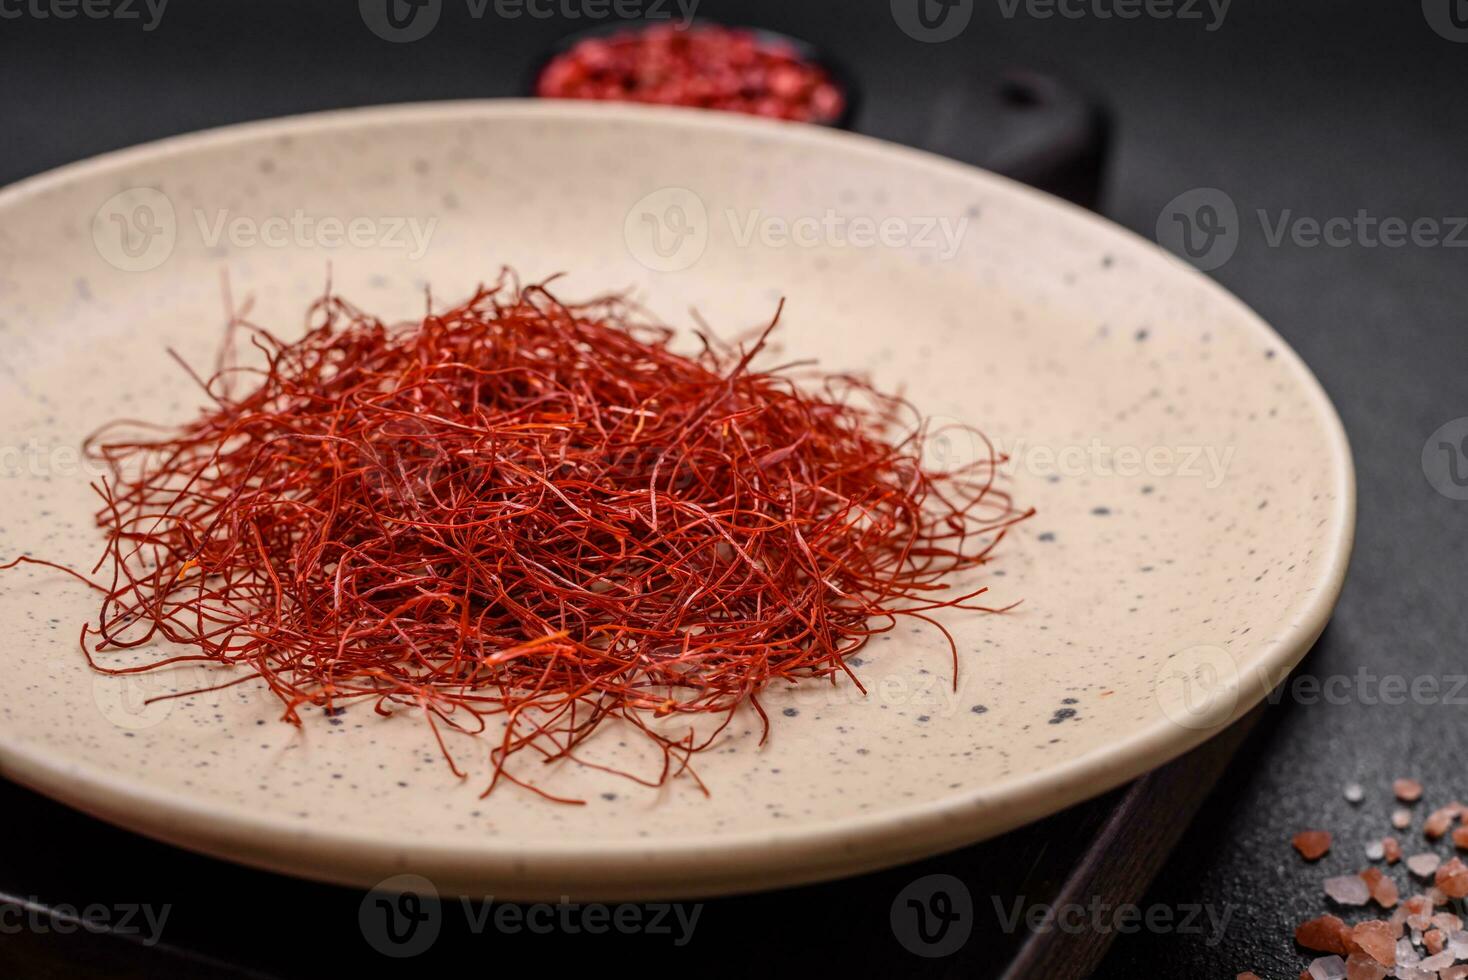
1437 896
1458 944
1326 934
1454 973
1377 940
1419 911
1452 879
1348 890
1434 940
1312 844
1328 968
1383 889
1401 819
1423 865
1407 790
1437 962
1447 922
1247 976
1391 850
1360 967
1439 821
1460 838
1398 921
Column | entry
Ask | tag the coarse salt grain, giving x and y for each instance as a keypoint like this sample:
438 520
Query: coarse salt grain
1362 967
1328 968
1423 865
1383 889
1348 890
1312 844
1376 850
1354 793
1452 879
1401 819
1325 934
1436 962
1447 922
1377 940
1407 790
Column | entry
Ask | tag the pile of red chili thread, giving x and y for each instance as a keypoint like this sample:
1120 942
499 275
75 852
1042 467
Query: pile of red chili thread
705 66
531 513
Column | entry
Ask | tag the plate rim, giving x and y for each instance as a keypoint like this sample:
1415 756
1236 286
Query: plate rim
720 863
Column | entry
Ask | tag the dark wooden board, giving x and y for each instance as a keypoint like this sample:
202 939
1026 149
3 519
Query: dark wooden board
224 920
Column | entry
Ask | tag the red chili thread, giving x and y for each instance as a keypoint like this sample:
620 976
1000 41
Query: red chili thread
706 66
532 512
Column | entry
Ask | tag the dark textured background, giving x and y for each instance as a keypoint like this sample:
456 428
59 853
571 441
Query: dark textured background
1316 106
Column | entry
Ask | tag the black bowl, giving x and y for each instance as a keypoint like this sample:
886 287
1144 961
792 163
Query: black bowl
804 49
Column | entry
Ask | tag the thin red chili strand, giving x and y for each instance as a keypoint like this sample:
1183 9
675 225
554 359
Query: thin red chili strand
533 513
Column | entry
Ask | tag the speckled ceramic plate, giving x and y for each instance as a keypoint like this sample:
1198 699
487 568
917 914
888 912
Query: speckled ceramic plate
1193 483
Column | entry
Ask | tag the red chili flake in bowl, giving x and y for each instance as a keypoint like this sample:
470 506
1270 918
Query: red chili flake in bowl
707 67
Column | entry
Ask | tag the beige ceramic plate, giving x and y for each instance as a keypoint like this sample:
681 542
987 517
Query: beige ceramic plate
1193 482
